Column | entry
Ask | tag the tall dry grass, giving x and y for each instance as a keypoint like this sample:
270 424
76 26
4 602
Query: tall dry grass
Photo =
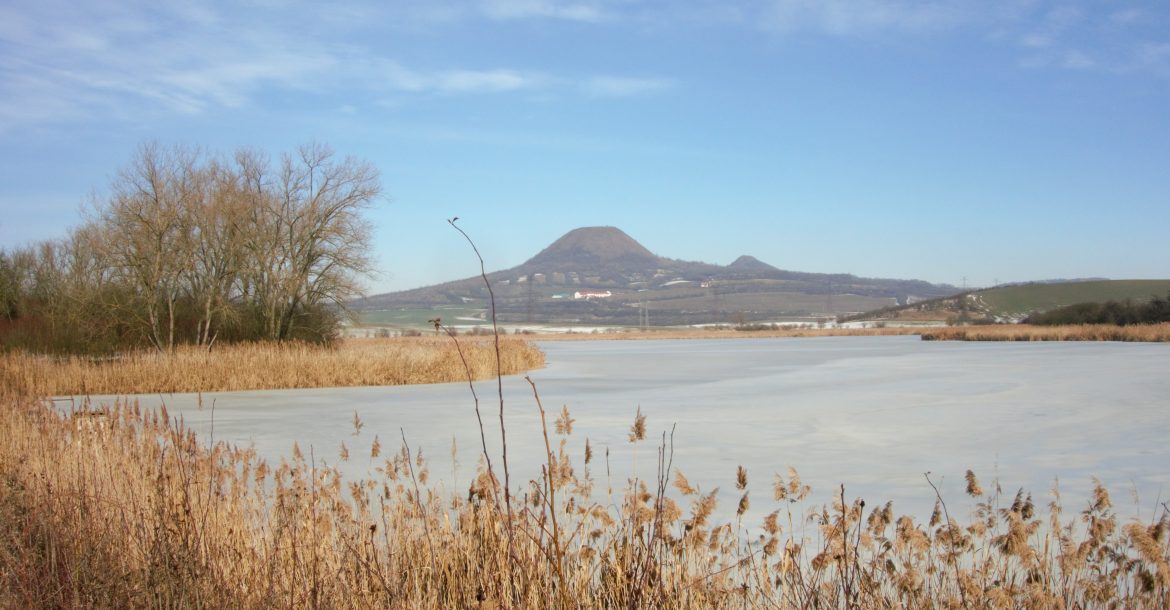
724 333
1000 332
1026 332
353 362
117 508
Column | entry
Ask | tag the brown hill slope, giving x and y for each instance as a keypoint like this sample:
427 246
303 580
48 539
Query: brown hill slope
591 246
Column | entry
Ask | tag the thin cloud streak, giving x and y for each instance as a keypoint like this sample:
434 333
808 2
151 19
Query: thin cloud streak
61 62
1048 36
1073 37
853 17
402 79
100 60
547 9
618 86
114 62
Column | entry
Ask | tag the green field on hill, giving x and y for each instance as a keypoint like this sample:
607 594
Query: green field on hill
1014 303
420 318
1018 301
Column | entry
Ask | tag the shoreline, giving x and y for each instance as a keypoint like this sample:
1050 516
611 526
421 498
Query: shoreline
359 361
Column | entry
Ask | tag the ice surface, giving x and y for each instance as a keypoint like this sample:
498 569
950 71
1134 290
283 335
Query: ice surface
872 413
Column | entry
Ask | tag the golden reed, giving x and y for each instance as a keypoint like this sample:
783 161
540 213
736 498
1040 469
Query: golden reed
118 508
1025 332
353 362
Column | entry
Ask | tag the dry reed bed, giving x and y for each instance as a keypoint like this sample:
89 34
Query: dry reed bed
725 333
354 362
119 509
1025 332
1000 332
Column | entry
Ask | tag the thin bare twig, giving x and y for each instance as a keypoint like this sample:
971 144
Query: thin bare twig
503 429
418 500
550 480
950 539
479 418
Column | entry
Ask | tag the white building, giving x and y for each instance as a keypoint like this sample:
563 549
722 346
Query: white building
592 294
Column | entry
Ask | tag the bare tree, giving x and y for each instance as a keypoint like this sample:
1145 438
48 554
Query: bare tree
187 246
10 289
88 290
217 226
57 289
149 218
312 241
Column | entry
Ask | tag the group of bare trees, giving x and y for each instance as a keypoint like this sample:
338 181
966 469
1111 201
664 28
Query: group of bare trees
193 248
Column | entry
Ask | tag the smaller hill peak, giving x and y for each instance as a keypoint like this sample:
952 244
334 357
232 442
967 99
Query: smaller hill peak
750 263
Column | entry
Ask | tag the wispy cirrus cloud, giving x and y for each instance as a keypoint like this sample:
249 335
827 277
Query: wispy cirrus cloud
621 86
475 81
96 60
553 9
1049 28
1088 37
1048 34
851 17
400 79
1154 57
403 79
60 63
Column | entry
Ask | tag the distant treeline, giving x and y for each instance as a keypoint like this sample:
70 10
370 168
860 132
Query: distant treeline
192 248
1121 313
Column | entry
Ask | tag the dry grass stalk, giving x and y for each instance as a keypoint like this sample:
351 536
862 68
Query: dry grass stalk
118 508
354 362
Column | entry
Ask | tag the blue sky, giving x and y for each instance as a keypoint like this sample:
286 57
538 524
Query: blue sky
1005 140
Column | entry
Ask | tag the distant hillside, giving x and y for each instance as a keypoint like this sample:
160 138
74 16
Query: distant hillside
641 283
1015 302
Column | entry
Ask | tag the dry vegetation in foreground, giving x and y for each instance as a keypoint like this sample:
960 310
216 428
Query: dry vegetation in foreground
1027 332
353 362
114 508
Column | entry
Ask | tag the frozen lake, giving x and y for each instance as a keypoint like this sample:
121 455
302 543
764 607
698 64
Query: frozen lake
872 413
